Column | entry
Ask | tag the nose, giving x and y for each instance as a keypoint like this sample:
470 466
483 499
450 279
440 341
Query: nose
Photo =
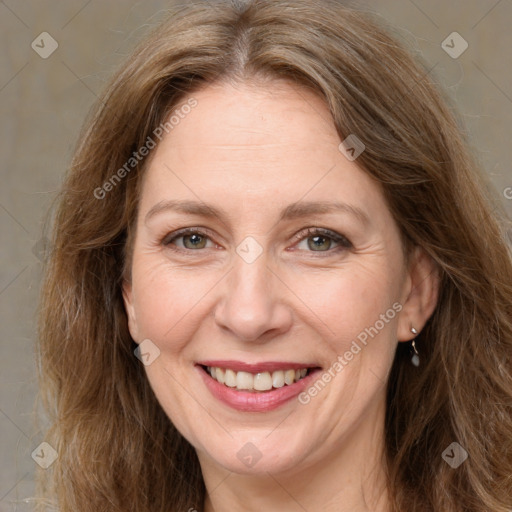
251 306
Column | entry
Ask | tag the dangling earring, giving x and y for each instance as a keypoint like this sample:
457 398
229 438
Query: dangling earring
416 357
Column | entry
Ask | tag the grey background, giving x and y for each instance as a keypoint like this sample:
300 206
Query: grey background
44 101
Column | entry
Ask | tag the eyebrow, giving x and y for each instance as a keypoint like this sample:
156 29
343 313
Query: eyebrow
293 211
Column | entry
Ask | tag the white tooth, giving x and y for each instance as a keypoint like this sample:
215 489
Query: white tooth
278 379
219 375
297 375
244 380
303 372
262 381
230 378
289 377
211 371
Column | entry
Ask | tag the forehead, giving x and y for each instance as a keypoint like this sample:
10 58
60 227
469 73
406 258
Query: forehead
254 143
249 114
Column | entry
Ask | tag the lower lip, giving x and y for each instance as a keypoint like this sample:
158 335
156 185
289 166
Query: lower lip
259 401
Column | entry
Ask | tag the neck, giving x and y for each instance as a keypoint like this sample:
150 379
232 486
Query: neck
351 478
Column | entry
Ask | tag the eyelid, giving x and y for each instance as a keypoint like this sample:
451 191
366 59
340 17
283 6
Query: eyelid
166 241
312 231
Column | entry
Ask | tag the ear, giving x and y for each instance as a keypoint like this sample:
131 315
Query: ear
421 292
130 309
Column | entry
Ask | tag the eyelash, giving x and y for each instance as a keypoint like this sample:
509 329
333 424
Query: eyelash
343 242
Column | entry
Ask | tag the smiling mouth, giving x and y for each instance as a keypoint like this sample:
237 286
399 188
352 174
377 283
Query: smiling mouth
260 382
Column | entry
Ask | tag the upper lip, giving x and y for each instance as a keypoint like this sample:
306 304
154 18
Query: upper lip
264 366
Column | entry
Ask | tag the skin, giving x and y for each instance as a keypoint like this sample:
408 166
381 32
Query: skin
252 150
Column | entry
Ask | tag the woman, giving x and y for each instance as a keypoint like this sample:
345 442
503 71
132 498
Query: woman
196 350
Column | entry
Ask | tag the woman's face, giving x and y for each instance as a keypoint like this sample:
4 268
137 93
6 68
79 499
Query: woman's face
257 293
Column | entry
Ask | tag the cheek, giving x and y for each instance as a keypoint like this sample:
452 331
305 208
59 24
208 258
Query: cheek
167 298
348 302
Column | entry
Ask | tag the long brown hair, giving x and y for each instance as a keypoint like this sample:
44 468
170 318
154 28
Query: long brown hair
118 451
